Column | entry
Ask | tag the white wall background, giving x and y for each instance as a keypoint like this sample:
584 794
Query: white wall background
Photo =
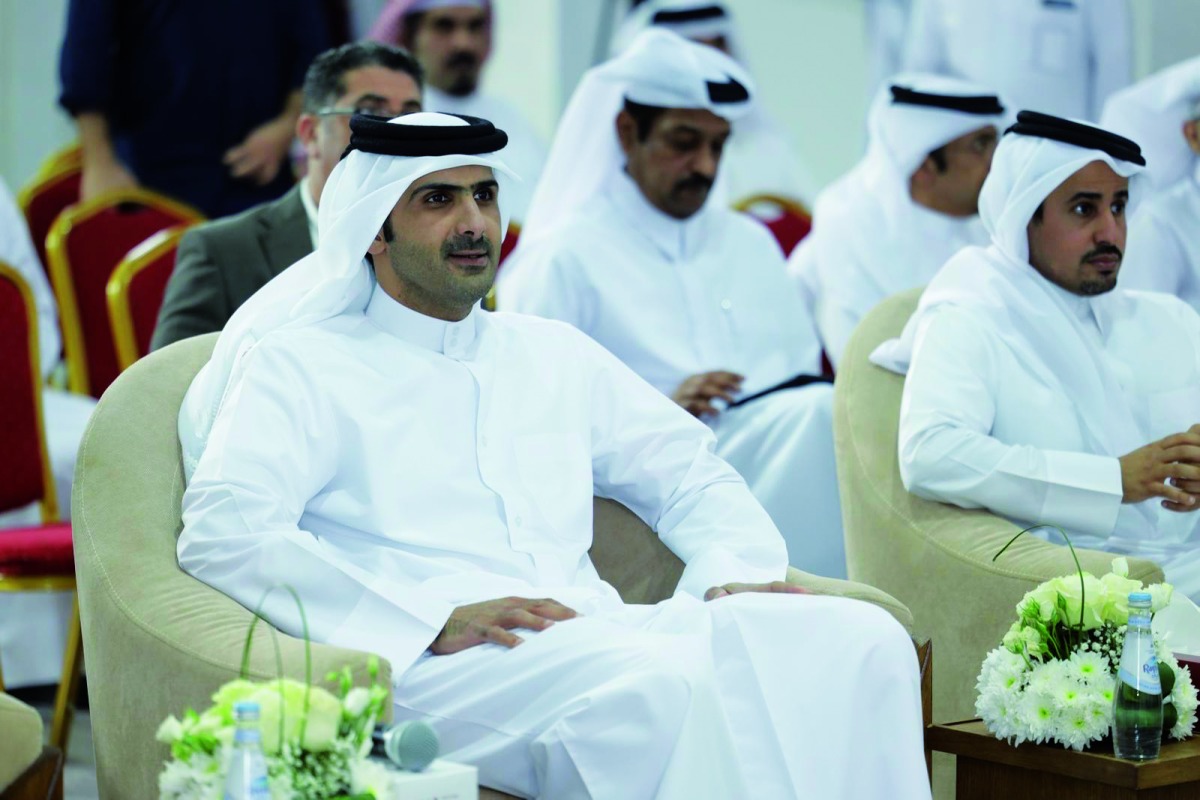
808 56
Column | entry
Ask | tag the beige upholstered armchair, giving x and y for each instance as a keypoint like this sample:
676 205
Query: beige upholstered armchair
157 640
935 558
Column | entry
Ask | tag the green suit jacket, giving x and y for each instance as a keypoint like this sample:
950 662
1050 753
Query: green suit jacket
221 263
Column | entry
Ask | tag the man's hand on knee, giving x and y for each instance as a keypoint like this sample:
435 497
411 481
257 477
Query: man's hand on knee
1168 468
774 587
493 620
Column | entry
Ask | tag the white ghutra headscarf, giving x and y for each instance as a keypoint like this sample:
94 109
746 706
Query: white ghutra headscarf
361 192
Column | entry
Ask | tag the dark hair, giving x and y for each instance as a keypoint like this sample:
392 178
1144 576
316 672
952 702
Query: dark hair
1039 212
644 116
389 233
939 158
324 82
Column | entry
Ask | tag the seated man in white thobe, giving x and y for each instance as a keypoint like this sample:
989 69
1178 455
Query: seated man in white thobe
912 202
625 242
422 472
33 626
1163 114
760 159
1039 389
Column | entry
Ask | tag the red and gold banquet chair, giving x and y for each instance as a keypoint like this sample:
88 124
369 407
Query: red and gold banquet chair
788 220
52 191
85 245
135 293
37 558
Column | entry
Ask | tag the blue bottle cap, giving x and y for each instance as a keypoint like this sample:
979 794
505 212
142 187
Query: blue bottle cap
1139 597
251 707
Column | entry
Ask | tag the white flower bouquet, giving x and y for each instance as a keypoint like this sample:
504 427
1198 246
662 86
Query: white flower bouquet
1053 677
317 743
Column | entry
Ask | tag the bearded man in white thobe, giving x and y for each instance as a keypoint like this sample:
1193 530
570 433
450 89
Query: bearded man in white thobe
912 202
1163 114
33 626
423 472
625 243
1060 57
760 159
453 40
1039 389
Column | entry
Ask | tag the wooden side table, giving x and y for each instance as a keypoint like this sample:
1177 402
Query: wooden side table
990 769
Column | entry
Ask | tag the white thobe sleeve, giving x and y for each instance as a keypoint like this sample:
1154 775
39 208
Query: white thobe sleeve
1155 258
658 461
273 447
16 249
947 452
1110 50
925 50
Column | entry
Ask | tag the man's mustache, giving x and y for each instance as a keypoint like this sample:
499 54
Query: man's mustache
694 181
467 244
463 58
1104 250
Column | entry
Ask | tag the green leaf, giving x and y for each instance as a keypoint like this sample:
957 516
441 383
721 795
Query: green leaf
1166 677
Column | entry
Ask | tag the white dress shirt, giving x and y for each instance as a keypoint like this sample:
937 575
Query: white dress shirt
392 466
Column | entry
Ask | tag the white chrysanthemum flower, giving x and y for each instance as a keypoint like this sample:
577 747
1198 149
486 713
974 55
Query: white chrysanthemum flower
1090 667
1037 711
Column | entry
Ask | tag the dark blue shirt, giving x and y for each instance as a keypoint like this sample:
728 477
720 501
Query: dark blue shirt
182 81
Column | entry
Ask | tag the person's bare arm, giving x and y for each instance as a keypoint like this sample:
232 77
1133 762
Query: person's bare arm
102 170
493 621
261 154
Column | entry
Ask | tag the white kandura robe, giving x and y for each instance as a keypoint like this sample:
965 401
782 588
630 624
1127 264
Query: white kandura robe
33 625
1063 57
1163 250
870 240
982 425
391 467
676 298
525 153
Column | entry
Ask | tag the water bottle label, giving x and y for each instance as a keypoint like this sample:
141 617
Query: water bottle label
259 789
1147 680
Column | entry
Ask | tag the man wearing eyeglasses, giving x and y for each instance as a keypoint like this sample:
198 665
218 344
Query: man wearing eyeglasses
221 263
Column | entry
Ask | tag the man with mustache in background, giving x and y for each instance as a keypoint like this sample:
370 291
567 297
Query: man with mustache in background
1039 388
624 241
452 40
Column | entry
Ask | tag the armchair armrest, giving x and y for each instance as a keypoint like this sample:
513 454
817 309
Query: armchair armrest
854 591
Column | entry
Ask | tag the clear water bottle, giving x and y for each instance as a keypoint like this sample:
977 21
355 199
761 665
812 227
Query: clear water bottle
246 777
1137 701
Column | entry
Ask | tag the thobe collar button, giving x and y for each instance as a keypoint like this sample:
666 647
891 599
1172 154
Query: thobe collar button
452 339
726 304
